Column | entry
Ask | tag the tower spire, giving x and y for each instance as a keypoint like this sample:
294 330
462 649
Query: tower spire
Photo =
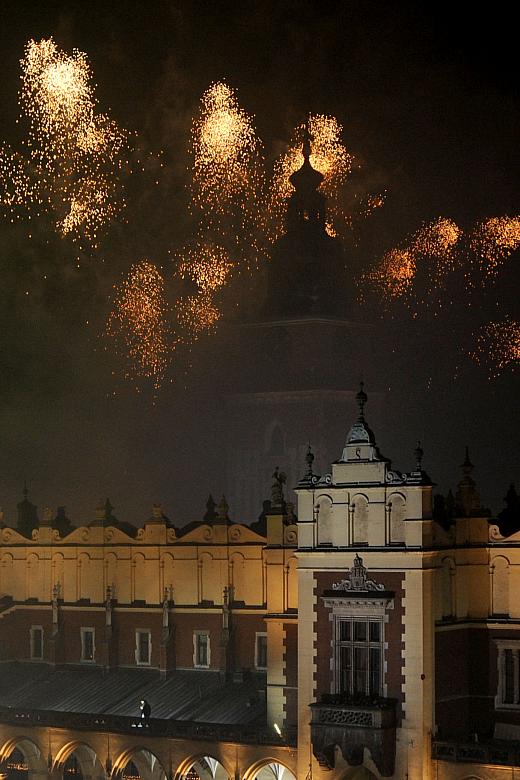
361 399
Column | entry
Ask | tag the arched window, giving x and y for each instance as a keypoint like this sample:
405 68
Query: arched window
324 520
500 587
360 518
397 506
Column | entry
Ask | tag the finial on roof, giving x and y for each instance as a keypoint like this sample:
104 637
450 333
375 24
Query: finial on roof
467 467
223 511
418 452
361 398
310 460
306 148
277 497
210 515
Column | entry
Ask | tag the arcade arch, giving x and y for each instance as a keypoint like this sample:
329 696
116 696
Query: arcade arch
22 759
202 768
138 764
269 769
77 760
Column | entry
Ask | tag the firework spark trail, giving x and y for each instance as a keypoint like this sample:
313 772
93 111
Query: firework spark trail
498 346
138 323
492 241
74 156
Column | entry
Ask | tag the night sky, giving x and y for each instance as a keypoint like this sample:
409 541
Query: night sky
427 94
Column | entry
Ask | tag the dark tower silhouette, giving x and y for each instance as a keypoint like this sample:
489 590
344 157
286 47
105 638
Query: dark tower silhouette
301 359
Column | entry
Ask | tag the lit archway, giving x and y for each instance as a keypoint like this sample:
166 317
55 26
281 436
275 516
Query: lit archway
202 768
269 769
138 764
76 761
22 759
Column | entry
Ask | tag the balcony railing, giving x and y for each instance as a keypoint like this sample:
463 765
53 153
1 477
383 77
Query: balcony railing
252 734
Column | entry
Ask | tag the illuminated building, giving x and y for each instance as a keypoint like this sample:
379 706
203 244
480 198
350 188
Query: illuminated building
354 637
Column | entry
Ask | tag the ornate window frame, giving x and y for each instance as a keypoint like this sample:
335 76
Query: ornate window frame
358 598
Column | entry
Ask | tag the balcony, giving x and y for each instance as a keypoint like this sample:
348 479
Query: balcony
352 725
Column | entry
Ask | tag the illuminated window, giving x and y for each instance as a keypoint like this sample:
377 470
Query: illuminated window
261 651
358 657
201 649
143 647
36 643
87 644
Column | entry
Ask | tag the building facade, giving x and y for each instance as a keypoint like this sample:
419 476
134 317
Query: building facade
354 637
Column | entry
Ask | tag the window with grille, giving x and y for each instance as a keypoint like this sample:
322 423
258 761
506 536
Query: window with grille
201 649
87 644
261 651
508 693
359 655
36 643
143 648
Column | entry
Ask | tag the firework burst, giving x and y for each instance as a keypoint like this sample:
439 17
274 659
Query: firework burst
225 151
430 253
492 241
138 323
198 314
498 346
207 265
74 156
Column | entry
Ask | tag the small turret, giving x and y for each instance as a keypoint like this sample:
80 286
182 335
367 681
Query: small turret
27 515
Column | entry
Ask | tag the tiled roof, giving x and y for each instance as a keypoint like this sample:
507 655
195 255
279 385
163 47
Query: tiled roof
196 696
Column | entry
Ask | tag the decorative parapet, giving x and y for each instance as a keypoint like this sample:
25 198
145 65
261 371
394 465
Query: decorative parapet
354 726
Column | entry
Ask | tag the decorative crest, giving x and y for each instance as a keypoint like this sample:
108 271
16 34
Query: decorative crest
357 579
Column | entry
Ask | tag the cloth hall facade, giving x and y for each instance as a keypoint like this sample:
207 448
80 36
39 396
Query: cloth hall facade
352 637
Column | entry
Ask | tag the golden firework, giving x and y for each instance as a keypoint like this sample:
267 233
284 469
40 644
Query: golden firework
498 346
138 322
198 314
493 240
74 155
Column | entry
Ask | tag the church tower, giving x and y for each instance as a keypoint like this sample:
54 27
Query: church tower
300 359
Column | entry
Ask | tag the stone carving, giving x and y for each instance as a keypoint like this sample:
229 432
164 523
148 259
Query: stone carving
357 579
345 717
234 534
